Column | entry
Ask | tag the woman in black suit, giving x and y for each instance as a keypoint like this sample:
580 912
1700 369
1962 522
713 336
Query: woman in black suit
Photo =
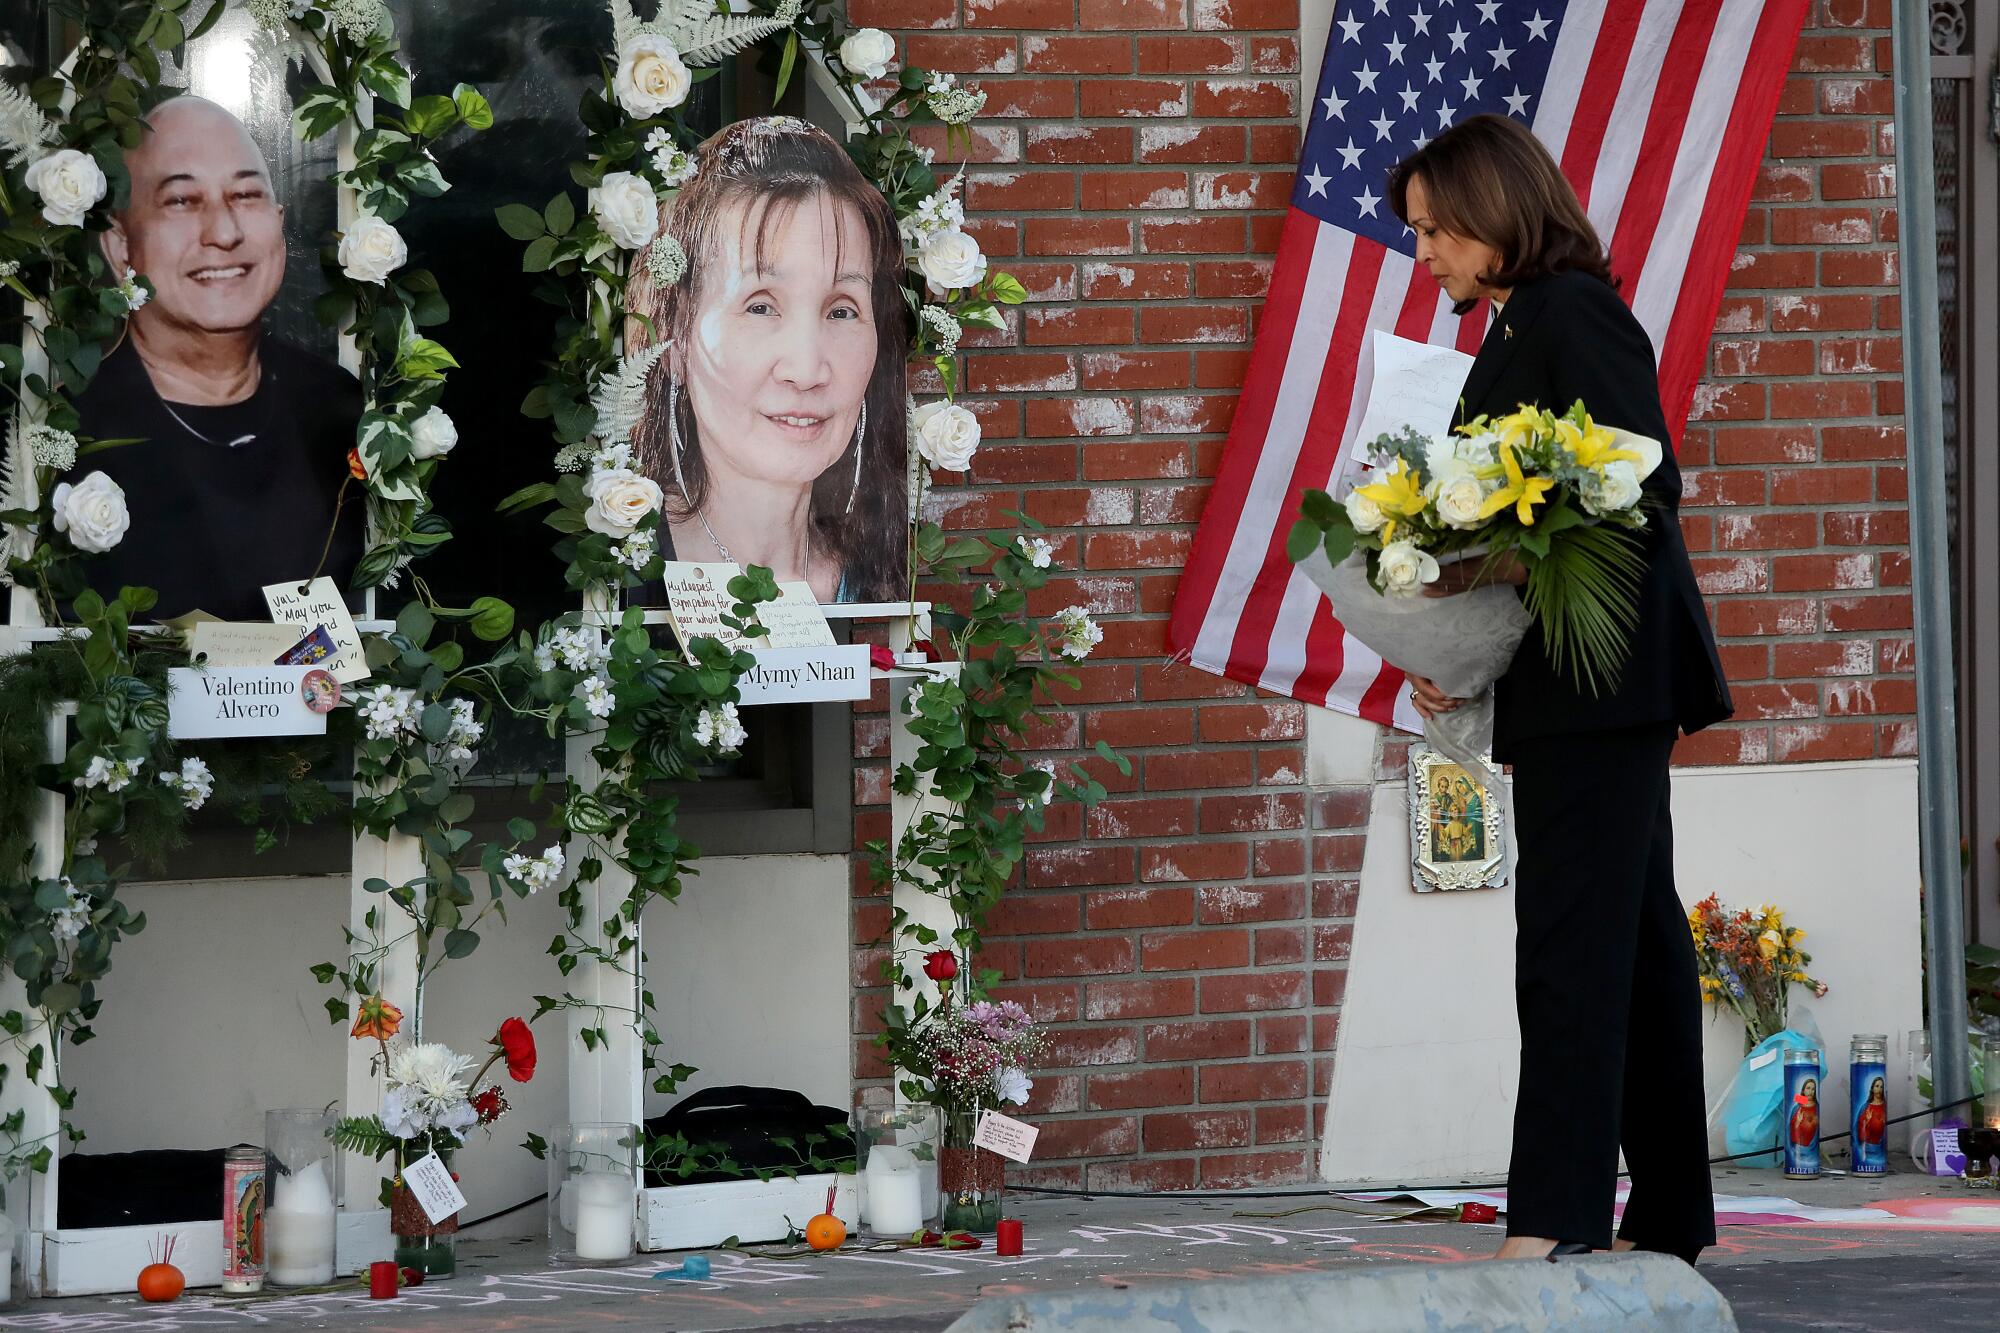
1605 986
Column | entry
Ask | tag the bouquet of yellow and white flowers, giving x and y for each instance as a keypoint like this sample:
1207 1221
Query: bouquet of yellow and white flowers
1559 494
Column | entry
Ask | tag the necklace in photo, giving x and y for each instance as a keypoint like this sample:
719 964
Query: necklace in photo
206 438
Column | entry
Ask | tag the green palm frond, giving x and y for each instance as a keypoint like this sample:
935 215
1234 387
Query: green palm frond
1584 594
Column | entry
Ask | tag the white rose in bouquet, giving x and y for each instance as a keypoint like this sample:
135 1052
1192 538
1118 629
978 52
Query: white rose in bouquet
867 53
1612 490
371 250
433 435
650 77
950 260
92 512
619 500
1364 513
1404 569
947 436
70 184
626 207
1458 494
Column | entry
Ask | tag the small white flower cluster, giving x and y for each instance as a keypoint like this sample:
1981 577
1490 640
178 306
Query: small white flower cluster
50 447
387 712
133 294
950 103
68 921
1080 633
574 457
271 14
426 1092
942 211
461 743
194 783
944 327
357 20
9 267
579 648
787 11
536 872
719 727
595 691
1035 550
666 261
636 551
114 775
675 164
945 435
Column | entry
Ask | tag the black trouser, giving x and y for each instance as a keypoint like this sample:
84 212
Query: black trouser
1610 1007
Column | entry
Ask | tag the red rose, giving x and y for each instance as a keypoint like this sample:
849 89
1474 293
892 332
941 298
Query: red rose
941 965
519 1044
880 657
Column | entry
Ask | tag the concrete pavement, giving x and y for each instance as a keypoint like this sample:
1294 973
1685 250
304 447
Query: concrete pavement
1923 1258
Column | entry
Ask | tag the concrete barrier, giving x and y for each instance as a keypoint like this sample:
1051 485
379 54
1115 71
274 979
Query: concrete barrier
1622 1292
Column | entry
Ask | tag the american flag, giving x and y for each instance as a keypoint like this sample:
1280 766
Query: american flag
1657 110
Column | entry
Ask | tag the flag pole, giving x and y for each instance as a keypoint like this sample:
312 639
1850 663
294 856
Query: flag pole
1930 564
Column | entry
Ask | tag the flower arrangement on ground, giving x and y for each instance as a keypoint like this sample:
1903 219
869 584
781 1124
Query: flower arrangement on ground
1558 494
965 1059
429 1105
1750 960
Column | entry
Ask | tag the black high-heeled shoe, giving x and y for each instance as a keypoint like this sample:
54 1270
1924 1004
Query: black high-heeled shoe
1568 1247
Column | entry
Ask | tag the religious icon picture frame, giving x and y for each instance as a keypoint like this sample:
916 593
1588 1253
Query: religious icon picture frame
1458 834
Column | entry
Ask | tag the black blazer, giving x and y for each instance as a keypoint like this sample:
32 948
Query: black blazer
1561 338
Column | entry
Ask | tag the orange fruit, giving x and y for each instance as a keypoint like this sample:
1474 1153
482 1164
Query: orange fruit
826 1232
160 1282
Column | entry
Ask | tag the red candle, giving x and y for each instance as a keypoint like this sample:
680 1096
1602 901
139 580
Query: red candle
381 1280
1007 1236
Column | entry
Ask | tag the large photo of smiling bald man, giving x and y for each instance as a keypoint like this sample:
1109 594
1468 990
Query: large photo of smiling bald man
235 481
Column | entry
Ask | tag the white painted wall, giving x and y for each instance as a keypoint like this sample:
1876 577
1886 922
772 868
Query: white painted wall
1428 1055
211 1015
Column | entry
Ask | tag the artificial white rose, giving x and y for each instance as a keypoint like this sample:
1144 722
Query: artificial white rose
371 250
867 53
1615 488
651 77
626 207
1404 570
950 260
947 436
1458 493
70 184
92 512
619 500
1364 513
433 434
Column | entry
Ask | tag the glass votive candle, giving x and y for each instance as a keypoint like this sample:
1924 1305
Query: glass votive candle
302 1185
896 1156
1989 1063
593 1192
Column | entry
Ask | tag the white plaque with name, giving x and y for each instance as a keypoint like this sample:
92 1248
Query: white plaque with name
802 675
239 701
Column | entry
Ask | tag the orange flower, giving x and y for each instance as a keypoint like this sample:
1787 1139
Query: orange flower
354 467
379 1020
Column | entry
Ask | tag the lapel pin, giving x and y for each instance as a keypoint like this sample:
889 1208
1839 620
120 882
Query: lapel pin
1506 331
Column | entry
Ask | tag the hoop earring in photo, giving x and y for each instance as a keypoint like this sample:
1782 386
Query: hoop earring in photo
860 430
674 437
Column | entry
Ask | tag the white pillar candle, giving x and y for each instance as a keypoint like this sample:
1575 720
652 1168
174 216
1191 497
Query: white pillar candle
894 1190
299 1229
605 1202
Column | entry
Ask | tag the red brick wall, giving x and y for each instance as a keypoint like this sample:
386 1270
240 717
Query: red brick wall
1188 941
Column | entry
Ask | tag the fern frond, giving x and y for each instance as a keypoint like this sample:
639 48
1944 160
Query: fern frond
624 23
358 1133
703 36
621 395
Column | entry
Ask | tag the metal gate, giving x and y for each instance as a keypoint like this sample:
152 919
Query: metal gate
1965 121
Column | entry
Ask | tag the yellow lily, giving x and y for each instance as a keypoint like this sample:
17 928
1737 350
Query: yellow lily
1521 491
1400 494
1593 446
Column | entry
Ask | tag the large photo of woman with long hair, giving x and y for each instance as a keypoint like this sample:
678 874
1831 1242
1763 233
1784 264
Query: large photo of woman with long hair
775 422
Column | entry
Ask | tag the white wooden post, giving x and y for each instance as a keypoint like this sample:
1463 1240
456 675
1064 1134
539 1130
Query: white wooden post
607 1084
926 909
